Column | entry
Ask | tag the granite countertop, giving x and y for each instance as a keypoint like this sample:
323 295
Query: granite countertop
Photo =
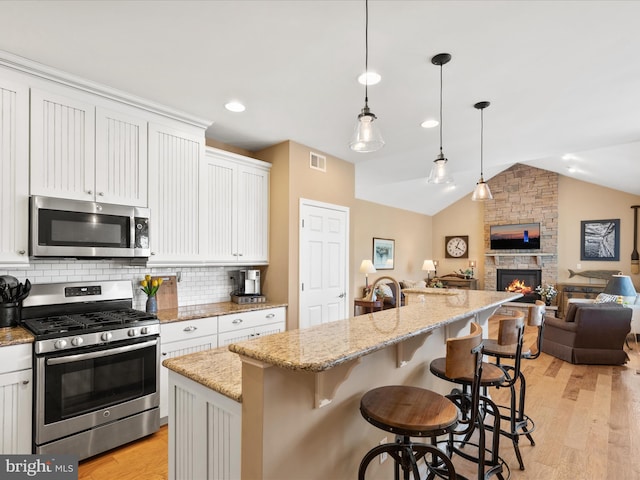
191 312
217 369
432 291
15 336
326 346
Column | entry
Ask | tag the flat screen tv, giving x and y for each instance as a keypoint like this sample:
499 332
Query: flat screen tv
523 236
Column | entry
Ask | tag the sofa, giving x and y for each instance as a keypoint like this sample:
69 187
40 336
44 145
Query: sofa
590 333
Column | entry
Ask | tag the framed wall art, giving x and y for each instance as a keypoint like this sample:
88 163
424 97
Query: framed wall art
600 240
383 253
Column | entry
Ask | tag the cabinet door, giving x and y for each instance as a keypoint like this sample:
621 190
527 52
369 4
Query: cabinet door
62 146
14 179
177 349
253 215
15 412
175 196
121 158
238 209
222 238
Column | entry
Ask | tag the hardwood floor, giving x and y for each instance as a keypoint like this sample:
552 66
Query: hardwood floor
146 459
587 427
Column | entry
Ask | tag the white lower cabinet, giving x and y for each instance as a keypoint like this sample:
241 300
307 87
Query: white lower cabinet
245 326
182 338
204 432
15 399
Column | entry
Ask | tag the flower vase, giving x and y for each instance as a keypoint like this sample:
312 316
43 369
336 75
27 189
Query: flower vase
152 305
547 301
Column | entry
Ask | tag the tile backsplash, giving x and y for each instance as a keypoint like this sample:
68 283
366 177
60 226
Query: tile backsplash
197 285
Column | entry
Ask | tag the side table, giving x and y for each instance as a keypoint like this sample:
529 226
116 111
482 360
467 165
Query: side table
366 305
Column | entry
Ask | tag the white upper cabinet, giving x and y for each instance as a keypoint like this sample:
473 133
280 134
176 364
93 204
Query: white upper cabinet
121 158
14 172
86 152
62 146
237 209
176 195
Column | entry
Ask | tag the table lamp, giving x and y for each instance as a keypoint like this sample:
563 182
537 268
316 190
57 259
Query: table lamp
428 266
621 285
472 264
367 267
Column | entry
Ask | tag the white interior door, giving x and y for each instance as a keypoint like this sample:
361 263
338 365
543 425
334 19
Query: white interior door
324 240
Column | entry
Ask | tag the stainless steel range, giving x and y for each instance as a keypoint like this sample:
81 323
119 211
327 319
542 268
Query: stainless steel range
95 367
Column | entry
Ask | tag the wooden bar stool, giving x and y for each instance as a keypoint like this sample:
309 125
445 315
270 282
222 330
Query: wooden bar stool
408 411
508 345
473 406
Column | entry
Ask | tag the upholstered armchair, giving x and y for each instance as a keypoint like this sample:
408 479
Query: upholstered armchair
590 334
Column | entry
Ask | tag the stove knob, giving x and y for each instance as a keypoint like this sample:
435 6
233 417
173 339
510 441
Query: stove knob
76 341
60 344
106 336
132 332
144 330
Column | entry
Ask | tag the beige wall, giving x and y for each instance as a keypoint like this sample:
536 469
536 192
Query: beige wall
464 217
291 180
580 201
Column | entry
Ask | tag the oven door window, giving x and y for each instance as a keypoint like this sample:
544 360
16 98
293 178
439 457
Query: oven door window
77 229
80 387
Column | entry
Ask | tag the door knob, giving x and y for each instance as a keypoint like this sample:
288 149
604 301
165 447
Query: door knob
342 295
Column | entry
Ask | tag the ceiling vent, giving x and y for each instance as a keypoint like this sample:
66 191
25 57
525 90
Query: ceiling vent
317 162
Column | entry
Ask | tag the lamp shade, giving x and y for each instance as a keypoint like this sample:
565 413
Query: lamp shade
367 267
429 266
366 135
621 285
481 192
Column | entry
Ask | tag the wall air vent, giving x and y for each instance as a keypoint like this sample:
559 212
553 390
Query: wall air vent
317 162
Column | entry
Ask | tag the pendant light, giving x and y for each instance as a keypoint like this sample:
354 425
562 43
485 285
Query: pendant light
366 136
482 191
439 172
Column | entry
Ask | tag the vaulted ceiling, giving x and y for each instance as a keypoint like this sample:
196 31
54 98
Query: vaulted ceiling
562 77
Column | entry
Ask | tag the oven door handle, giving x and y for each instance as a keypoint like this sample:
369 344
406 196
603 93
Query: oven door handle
102 353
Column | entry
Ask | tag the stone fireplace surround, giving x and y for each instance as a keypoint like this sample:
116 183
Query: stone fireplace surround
523 194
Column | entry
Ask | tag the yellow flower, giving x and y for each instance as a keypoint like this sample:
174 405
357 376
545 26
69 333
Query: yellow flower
149 286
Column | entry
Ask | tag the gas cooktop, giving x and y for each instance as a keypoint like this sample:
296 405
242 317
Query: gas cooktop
103 320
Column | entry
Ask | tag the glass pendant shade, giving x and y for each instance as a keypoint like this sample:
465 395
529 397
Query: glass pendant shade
366 135
439 173
482 191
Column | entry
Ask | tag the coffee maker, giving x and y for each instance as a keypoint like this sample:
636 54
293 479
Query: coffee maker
247 282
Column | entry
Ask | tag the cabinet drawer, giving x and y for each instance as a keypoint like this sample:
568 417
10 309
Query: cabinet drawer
15 357
254 318
175 331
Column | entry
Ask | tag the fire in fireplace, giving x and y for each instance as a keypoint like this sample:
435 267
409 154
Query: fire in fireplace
520 281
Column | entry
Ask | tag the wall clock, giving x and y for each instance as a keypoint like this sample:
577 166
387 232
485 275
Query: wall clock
456 247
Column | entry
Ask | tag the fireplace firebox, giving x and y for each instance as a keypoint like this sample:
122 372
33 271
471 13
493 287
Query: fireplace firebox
522 281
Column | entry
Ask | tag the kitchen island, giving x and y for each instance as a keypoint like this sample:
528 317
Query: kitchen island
300 390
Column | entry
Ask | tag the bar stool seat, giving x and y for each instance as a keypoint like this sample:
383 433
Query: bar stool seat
408 411
492 375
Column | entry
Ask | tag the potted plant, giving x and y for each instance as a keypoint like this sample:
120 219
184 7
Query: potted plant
547 293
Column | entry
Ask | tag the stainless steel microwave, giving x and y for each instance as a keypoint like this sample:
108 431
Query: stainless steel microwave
75 228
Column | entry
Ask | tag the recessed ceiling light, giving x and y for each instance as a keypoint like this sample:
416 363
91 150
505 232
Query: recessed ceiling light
569 156
369 78
572 169
235 106
430 123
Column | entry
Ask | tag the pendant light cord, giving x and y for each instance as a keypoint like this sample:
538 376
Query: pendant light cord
441 109
481 141
366 52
